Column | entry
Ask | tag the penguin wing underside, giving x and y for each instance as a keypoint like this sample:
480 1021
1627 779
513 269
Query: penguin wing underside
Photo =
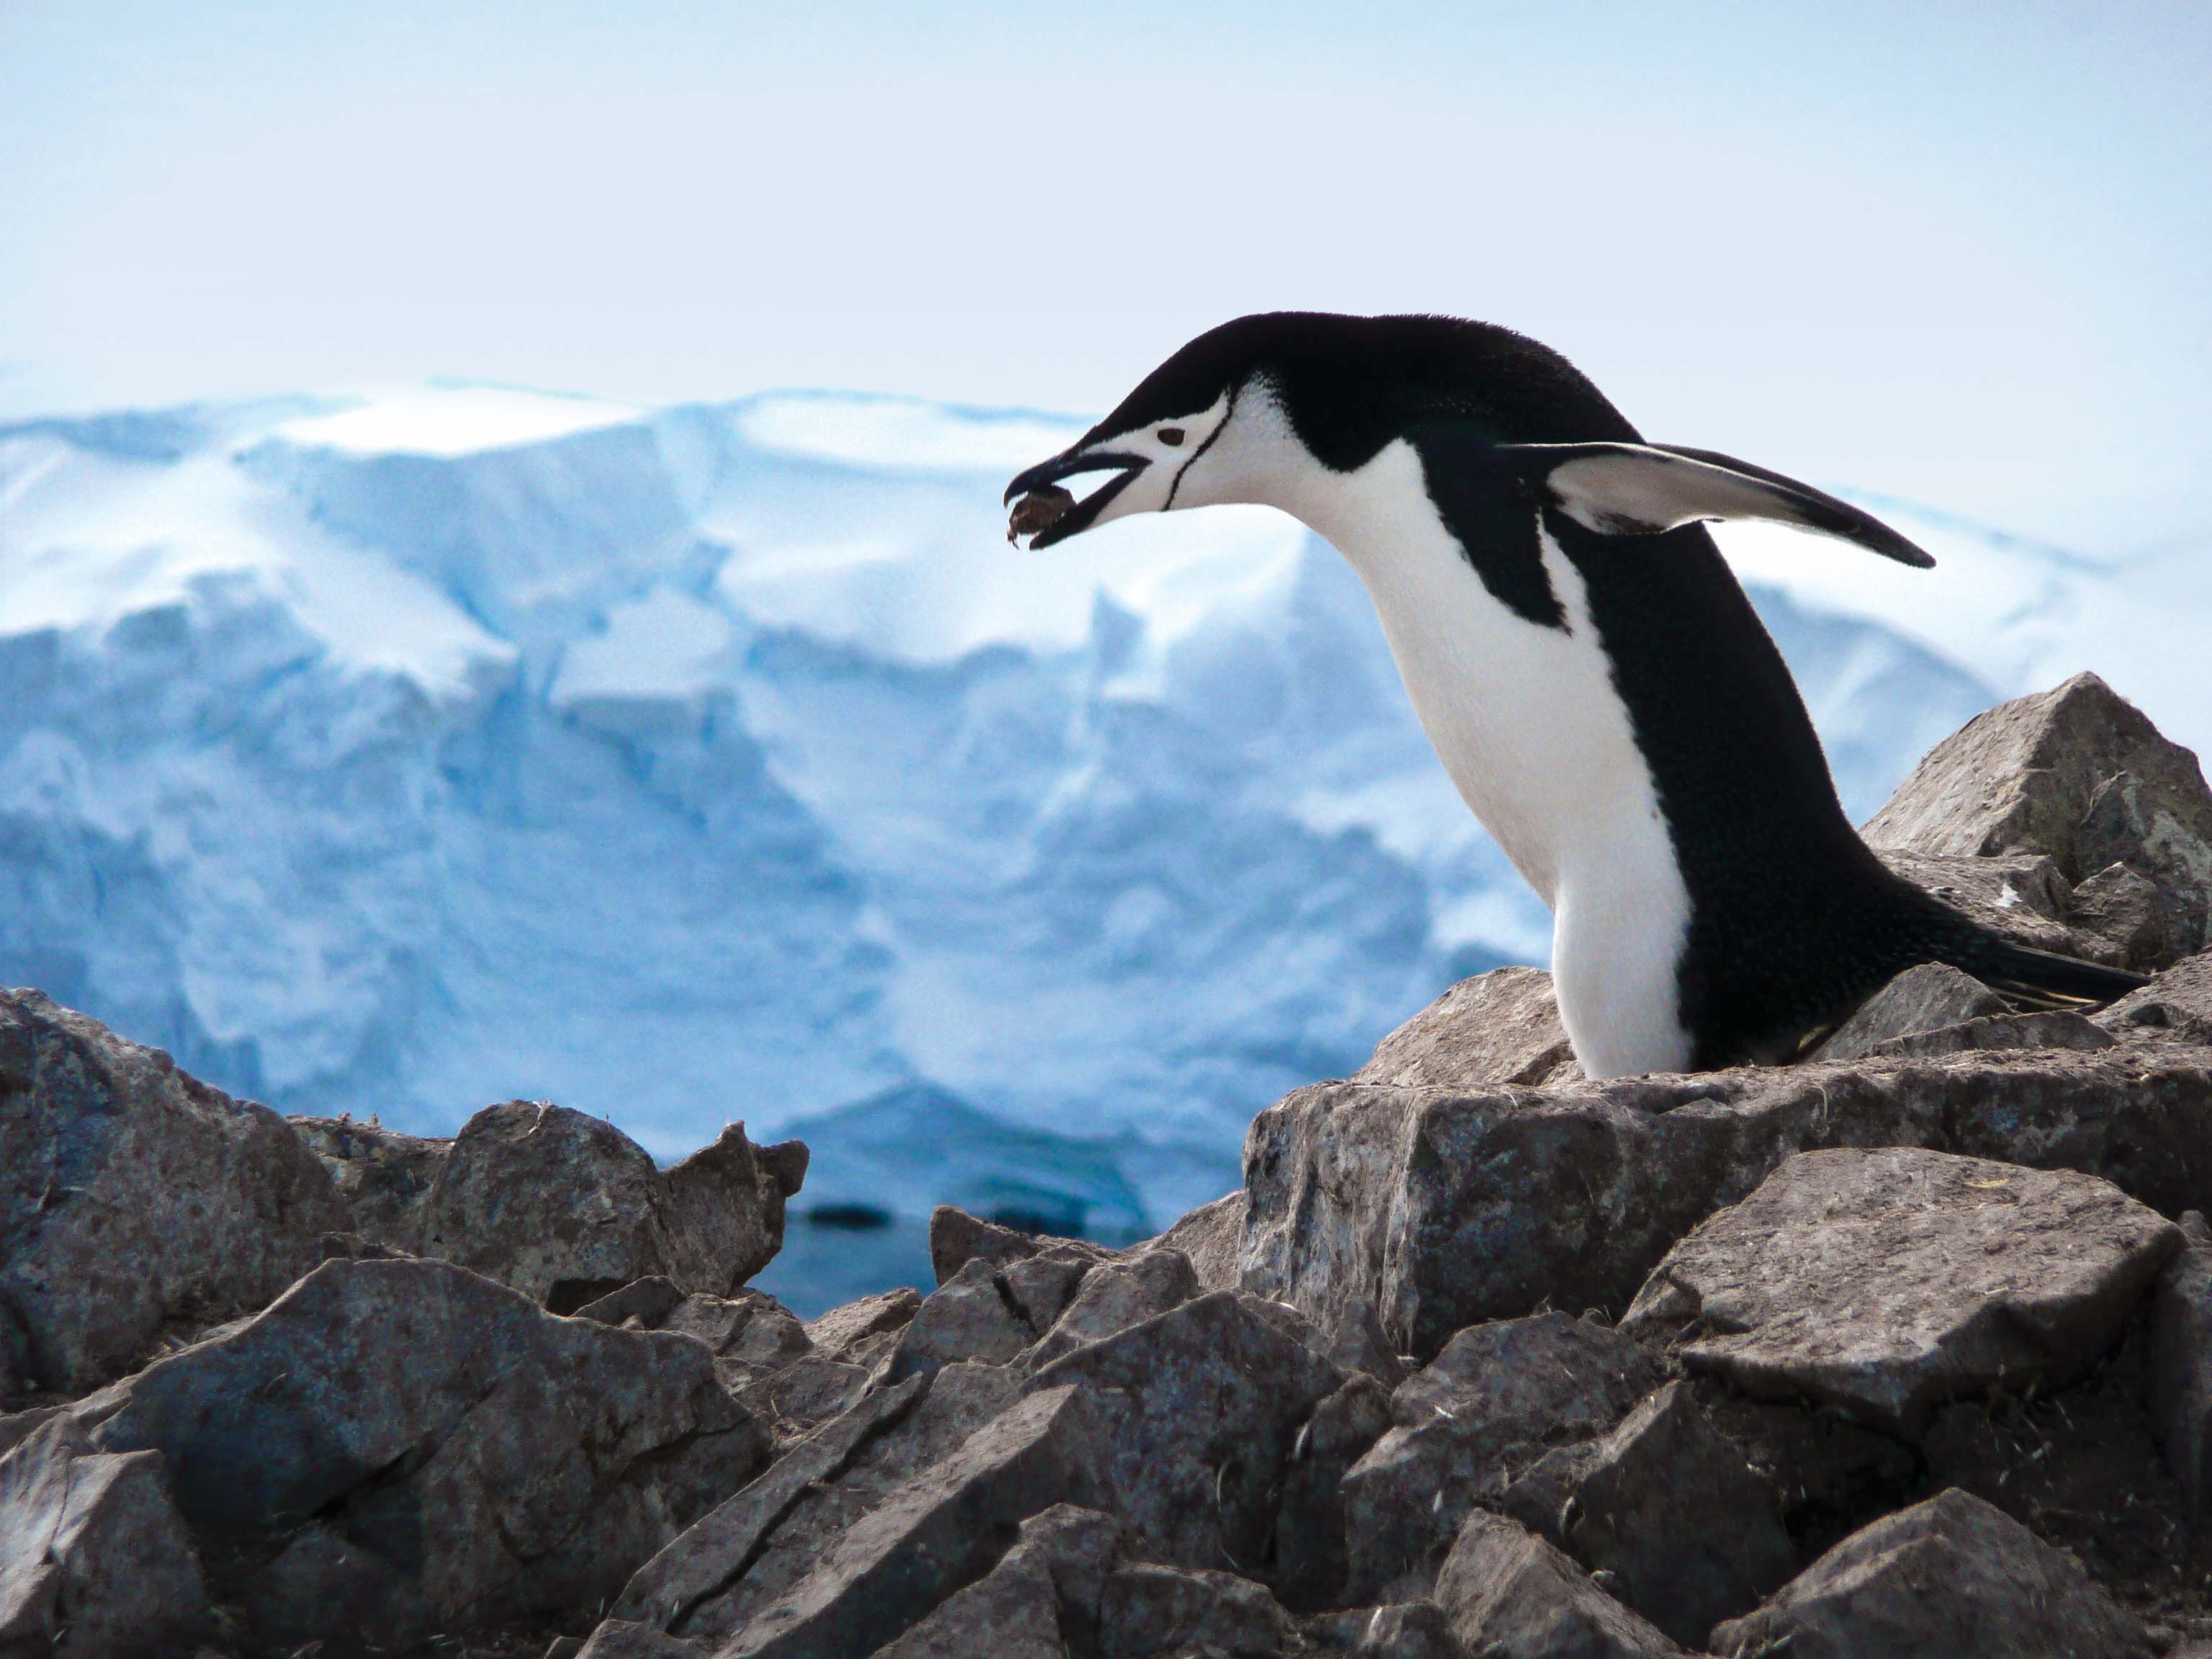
1641 489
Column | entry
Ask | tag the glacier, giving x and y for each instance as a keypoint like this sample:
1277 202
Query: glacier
400 753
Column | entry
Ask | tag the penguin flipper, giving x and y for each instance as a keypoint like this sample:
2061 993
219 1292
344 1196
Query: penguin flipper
1642 489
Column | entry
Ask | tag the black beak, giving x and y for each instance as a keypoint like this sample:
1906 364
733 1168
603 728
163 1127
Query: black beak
1081 515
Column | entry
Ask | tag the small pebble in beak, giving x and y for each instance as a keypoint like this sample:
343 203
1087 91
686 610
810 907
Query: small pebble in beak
1039 509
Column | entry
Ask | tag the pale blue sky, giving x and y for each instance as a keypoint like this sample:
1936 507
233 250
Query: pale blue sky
1959 253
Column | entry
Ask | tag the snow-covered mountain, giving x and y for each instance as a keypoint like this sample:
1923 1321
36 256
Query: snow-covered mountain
405 753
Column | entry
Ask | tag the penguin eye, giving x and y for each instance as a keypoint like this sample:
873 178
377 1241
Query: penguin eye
1171 435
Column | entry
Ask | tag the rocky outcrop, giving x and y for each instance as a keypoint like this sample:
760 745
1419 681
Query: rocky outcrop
135 1202
2077 775
1913 1350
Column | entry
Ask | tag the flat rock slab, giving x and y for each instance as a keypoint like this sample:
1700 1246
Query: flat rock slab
1886 1282
1952 1578
1443 1209
1499 1027
135 1201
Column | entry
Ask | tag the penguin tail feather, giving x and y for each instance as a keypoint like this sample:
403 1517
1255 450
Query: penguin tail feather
2036 980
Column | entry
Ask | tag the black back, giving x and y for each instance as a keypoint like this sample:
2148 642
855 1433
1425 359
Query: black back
1794 922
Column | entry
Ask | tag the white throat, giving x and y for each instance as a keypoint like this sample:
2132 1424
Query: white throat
1533 731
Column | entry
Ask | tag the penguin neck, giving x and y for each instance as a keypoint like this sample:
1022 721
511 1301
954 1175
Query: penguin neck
1533 731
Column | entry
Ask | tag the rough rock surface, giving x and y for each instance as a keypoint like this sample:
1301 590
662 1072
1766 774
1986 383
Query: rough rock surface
1922 999
2078 774
1884 1282
1198 1411
135 1201
955 1238
1114 1296
1443 1209
1951 1579
95 1563
1508 1593
1211 1235
1497 1398
381 1176
566 1208
1499 1027
1667 1511
2175 1007
411 1440
2181 1364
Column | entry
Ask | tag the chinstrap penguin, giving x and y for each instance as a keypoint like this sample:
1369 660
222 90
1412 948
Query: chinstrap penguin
1588 669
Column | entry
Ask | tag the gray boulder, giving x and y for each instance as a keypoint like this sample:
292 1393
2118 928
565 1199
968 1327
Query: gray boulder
754 1337
1311 1558
1211 1235
407 1437
1922 999
1497 1398
892 1566
135 1202
2078 774
969 1317
1951 1579
1151 1612
383 1177
1403 1629
1114 1296
95 1563
566 1208
1441 1209
2044 1030
841 1329
955 1238
1499 1027
2181 1365
1199 1410
2175 1007
1514 1596
2127 911
1885 1282
1665 1514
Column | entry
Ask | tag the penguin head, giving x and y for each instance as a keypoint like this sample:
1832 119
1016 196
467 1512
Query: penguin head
1269 408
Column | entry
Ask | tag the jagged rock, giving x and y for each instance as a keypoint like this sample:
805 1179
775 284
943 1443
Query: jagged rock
2019 896
618 1638
1114 1296
2181 1364
1951 1579
2127 910
939 1531
95 1563
1198 1410
798 1399
1080 1548
1308 1532
1496 1400
1441 1210
1831 1474
955 1238
2077 772
1499 1027
649 1301
1211 1237
2176 1006
1511 1595
966 1317
1884 1282
566 1208
1013 1612
2044 1030
134 1200
752 1335
722 1577
839 1329
705 1559
1148 1610
382 1176
462 1451
1040 1287
1923 998
1668 1508
1404 1630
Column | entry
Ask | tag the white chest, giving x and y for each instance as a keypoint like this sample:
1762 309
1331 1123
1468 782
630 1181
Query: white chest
1532 732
